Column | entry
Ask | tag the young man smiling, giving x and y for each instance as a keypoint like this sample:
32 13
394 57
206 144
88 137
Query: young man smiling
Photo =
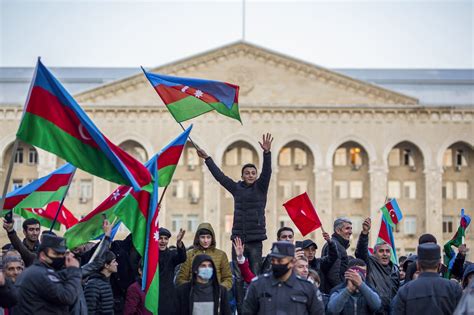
250 198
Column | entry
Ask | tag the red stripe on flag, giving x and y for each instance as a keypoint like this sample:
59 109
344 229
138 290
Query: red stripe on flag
153 251
45 105
383 233
54 182
12 201
143 199
170 156
108 203
169 95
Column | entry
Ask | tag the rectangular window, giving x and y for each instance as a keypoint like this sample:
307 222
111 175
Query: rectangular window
285 189
300 157
356 157
17 183
193 220
19 156
393 189
193 159
448 158
32 156
340 188
356 190
394 157
85 187
410 225
229 221
300 186
409 190
461 190
231 157
177 222
194 191
246 156
340 157
284 158
447 190
448 223
177 188
408 159
461 158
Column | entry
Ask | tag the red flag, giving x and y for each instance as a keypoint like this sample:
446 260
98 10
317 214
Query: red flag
302 213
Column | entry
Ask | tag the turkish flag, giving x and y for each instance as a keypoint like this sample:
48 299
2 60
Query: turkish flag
302 213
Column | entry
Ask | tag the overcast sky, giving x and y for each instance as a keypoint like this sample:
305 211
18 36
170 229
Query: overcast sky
333 34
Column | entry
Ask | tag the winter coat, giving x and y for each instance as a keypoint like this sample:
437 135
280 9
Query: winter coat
325 262
28 255
219 257
135 300
384 279
44 291
98 294
366 301
333 275
249 201
169 259
8 294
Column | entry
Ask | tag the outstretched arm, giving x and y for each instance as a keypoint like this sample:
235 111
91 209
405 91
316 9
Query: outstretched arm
225 181
362 250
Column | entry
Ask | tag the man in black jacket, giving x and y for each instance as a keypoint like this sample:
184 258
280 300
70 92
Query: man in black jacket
325 262
169 259
250 199
382 274
29 246
333 275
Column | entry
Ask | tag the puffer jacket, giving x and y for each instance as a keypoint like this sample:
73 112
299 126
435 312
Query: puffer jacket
249 201
224 274
98 294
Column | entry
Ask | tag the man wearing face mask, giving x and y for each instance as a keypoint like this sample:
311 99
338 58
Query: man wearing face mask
382 274
281 291
202 295
41 289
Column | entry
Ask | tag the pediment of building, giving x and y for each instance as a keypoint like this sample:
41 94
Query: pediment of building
266 79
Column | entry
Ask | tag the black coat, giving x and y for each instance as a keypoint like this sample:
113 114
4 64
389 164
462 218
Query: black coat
324 263
249 201
169 259
384 279
333 275
43 291
98 294
429 294
8 294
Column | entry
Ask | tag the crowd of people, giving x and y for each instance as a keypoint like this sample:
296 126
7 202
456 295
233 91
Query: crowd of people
40 276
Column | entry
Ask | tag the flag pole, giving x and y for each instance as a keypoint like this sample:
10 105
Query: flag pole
162 195
96 252
9 174
189 137
62 200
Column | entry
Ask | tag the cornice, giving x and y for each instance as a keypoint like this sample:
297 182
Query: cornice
293 65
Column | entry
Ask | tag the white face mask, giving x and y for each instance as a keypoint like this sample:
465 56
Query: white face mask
205 273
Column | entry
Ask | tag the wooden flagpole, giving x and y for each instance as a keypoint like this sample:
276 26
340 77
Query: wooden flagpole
62 200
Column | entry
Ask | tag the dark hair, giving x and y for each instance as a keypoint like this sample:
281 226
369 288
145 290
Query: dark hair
427 238
30 221
428 264
356 262
401 260
283 229
109 256
247 165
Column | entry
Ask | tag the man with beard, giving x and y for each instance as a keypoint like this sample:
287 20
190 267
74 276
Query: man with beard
42 290
169 259
382 274
30 244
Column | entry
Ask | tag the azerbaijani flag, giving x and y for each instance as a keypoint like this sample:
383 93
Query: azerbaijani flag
90 227
391 212
187 98
457 240
53 121
46 216
151 267
386 235
41 191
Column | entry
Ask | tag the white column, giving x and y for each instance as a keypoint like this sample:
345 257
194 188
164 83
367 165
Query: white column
323 196
378 193
211 203
434 202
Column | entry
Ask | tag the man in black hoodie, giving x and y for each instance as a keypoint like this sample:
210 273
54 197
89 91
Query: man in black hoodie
202 295
250 199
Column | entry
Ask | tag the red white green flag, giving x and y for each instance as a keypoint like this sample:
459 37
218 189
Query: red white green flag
46 216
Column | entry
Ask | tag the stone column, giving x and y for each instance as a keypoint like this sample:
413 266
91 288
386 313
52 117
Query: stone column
323 196
378 194
434 202
211 203
272 209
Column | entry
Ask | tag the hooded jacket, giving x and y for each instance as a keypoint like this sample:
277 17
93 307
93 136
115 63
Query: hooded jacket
185 293
219 258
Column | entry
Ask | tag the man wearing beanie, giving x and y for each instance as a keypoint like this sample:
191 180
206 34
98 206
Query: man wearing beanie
169 259
42 290
429 294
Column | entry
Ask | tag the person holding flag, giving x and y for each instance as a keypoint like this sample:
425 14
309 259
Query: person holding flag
250 199
382 273
30 244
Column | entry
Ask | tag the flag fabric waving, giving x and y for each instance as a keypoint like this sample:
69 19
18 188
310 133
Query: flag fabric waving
152 277
53 121
46 216
41 191
187 98
391 212
386 235
303 214
457 240
90 227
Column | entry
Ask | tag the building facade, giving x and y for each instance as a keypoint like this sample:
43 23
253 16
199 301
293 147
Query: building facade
350 144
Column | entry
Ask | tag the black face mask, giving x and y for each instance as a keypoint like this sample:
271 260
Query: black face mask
57 262
279 270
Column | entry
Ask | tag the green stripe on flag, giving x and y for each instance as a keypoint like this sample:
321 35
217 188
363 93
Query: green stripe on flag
42 198
224 110
187 108
153 295
165 175
42 133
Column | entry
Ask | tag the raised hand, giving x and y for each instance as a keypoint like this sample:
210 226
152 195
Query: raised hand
354 277
366 226
326 236
179 238
71 261
266 143
7 226
239 247
201 153
107 227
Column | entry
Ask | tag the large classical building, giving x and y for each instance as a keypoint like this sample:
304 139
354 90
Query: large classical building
349 138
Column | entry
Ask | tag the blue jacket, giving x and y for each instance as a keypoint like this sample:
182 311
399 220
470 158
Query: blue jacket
365 301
